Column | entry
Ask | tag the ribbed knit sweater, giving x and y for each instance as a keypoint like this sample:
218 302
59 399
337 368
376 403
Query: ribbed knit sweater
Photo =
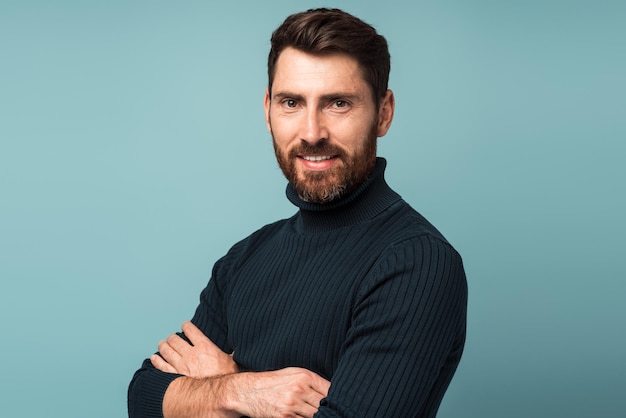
363 291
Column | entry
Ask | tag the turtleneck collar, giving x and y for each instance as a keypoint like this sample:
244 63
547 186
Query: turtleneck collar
368 200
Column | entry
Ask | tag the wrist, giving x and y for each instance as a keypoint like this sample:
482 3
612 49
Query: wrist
199 397
227 393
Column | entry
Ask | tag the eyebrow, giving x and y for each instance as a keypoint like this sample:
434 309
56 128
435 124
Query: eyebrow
286 95
325 98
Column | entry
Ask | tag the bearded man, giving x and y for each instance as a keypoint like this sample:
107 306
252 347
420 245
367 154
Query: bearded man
353 307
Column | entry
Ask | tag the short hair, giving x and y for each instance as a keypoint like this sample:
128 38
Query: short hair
327 31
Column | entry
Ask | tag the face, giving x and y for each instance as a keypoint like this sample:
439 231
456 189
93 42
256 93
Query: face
324 123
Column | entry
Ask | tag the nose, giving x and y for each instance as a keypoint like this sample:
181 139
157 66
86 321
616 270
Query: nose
313 129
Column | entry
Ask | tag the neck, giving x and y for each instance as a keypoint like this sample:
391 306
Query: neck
366 201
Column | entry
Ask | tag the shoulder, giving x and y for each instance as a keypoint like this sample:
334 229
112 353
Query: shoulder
403 224
242 250
413 250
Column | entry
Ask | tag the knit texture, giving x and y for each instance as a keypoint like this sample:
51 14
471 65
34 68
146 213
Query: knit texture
363 291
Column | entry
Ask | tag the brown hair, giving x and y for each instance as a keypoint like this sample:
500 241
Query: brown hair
332 31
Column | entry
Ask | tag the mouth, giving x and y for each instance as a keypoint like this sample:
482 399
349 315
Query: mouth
316 158
317 162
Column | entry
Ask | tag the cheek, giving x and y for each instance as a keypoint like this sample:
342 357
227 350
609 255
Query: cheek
281 129
280 140
355 135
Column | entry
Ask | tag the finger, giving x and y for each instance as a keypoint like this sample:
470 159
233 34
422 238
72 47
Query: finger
320 385
307 411
312 398
322 389
178 344
197 338
194 334
169 354
160 364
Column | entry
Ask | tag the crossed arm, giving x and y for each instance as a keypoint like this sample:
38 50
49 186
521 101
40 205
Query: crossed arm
394 364
212 385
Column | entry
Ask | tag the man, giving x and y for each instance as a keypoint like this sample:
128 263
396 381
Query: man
353 307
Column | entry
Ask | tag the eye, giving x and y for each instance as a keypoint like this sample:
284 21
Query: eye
290 103
340 104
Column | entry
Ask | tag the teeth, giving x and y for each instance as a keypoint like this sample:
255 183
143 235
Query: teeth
317 157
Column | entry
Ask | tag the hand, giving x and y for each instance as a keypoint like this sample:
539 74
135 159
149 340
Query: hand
202 359
290 392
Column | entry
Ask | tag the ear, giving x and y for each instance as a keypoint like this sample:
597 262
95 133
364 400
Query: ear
385 113
266 106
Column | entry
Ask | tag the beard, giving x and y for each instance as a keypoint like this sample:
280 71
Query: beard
342 178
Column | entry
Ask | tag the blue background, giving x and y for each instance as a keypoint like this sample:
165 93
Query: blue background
134 153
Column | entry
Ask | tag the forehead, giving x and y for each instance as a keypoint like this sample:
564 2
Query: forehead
297 70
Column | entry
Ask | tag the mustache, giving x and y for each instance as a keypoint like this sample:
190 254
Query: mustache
321 148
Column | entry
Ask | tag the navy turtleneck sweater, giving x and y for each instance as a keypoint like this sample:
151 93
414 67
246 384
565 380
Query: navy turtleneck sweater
363 291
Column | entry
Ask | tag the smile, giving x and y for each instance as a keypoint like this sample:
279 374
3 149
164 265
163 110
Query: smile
317 157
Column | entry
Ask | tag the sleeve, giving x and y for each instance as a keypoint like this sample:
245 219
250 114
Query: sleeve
406 337
148 385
